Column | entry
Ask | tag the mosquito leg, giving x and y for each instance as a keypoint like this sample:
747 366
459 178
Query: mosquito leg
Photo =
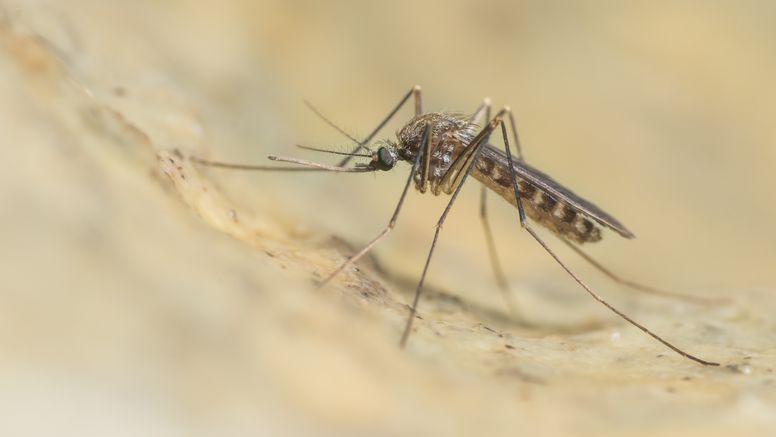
576 278
233 166
418 100
477 143
498 272
613 309
503 285
513 124
484 107
426 152
392 223
641 287
414 92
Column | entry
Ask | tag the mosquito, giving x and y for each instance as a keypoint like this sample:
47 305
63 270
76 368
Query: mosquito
444 149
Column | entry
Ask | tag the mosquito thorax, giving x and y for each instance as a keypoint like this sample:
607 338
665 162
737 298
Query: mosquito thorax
444 126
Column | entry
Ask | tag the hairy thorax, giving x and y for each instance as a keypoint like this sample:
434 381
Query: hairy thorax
450 134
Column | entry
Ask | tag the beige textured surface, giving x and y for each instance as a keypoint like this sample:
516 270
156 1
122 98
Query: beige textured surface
143 296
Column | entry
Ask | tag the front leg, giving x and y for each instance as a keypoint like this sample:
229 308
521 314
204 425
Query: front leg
415 92
392 222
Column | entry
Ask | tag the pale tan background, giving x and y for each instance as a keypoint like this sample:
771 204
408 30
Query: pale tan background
141 295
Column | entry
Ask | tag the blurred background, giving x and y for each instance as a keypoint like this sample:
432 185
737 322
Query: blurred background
659 113
126 310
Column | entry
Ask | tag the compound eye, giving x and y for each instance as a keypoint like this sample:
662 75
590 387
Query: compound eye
385 158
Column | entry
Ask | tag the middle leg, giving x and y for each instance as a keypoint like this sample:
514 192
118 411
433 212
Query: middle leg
495 263
472 152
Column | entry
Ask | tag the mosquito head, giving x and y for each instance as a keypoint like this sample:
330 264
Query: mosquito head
384 158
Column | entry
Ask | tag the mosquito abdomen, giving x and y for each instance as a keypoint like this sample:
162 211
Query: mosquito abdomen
555 215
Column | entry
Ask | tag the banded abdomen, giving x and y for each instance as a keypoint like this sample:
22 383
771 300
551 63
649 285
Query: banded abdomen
545 200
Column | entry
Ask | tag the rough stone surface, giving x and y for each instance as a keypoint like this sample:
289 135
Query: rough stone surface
145 295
